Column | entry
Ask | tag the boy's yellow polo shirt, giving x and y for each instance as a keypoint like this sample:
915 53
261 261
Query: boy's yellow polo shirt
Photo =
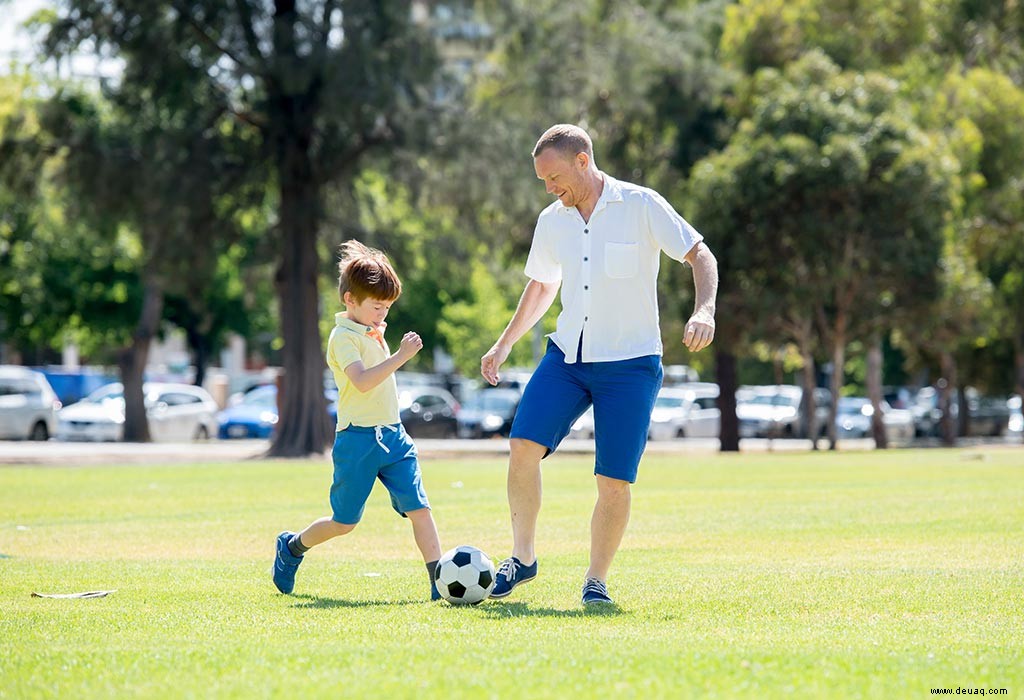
350 342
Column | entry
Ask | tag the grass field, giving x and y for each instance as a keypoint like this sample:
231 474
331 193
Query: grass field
844 575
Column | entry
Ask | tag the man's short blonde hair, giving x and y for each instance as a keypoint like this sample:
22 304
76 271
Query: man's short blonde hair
367 273
567 139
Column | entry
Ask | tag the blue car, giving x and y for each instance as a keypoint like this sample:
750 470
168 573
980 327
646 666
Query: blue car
255 414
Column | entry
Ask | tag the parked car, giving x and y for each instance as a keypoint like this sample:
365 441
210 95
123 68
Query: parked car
1015 424
583 428
176 412
488 413
72 385
28 405
686 410
985 415
253 414
777 411
853 419
429 412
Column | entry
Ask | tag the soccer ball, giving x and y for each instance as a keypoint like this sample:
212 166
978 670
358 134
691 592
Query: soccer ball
465 576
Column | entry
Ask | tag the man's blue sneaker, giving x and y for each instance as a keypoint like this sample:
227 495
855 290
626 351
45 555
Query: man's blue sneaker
285 564
594 591
510 574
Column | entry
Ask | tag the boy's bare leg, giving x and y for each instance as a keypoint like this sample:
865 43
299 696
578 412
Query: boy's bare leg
608 524
322 530
524 496
425 531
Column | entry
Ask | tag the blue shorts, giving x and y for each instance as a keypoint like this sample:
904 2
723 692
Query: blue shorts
363 455
621 392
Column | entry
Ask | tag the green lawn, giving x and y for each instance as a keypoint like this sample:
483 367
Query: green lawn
845 575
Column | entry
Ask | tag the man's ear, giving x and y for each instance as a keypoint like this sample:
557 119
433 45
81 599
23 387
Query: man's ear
582 160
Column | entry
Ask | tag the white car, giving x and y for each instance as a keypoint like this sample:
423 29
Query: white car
853 419
583 428
28 405
1015 426
176 413
686 410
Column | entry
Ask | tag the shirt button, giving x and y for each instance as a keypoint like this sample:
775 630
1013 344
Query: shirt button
586 287
585 259
586 318
586 230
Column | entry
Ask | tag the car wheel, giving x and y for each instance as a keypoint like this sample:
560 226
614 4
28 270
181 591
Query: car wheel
39 432
202 433
681 433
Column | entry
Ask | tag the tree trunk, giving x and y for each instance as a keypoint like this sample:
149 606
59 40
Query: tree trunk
729 425
199 342
875 392
132 362
302 428
963 416
838 360
946 384
1018 361
810 417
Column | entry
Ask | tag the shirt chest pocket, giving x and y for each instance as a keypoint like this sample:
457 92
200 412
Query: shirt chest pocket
621 259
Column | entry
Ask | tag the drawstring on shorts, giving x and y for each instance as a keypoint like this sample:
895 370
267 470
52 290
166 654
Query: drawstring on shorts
378 432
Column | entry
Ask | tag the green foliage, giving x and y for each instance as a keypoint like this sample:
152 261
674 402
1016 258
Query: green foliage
472 325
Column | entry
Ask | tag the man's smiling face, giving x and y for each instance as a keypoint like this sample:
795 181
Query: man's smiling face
563 176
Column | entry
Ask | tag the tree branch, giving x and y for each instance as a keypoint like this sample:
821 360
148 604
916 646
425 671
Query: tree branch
208 39
249 31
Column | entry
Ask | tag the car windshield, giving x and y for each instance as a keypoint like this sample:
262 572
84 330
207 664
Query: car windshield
773 400
498 401
846 406
111 392
669 402
263 396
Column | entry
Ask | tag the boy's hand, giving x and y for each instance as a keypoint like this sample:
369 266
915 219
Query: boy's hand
411 344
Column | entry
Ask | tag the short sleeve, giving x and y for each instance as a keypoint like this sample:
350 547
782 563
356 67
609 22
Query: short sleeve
541 264
344 350
671 232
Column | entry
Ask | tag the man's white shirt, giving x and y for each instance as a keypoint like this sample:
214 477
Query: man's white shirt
608 269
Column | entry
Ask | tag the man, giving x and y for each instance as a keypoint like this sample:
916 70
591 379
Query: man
601 242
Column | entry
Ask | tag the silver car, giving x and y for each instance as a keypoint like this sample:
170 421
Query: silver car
176 413
28 405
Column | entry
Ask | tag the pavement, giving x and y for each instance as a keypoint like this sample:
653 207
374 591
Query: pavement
55 453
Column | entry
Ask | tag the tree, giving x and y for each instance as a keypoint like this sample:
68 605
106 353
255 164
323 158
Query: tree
833 201
319 85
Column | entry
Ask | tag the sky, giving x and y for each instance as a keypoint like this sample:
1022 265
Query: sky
16 43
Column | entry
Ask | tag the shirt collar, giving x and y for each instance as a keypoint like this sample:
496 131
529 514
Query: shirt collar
342 320
611 192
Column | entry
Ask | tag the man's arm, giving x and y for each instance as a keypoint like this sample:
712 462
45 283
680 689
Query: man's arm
700 329
536 300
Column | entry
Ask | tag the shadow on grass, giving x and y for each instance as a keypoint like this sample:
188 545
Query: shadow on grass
508 610
319 603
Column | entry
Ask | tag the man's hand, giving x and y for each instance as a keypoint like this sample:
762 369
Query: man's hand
490 363
700 331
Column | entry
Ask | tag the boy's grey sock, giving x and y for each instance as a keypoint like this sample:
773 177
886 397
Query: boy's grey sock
296 547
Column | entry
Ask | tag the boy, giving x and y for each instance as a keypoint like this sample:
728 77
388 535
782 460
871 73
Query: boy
371 442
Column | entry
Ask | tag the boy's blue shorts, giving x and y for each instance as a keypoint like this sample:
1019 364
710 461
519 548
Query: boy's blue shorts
622 393
363 455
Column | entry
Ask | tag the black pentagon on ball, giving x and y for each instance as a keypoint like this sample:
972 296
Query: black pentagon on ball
456 590
485 579
462 558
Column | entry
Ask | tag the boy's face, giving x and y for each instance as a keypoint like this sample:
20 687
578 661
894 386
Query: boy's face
369 311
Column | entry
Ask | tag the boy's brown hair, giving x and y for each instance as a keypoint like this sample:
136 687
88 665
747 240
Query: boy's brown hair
366 273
